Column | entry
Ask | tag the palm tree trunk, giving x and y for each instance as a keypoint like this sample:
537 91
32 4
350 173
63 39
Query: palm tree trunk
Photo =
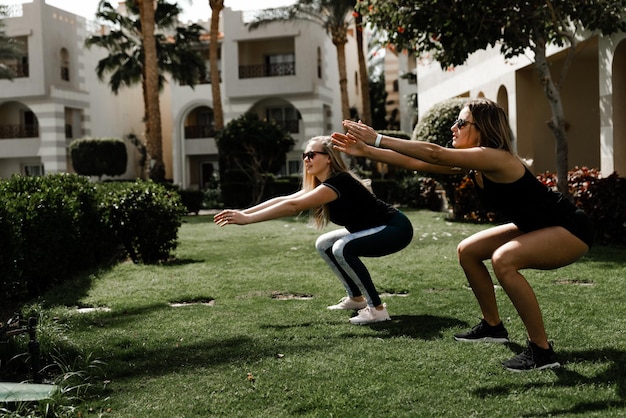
154 141
339 40
366 114
218 113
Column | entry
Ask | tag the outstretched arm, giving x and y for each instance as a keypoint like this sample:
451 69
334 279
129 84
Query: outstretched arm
359 148
489 160
278 207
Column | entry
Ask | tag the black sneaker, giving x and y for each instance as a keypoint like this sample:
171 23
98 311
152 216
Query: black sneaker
483 332
532 358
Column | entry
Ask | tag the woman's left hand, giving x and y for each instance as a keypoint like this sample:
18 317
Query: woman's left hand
360 131
229 216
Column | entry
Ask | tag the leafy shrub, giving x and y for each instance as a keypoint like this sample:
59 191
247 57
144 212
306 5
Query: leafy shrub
467 206
145 217
192 200
51 229
603 199
99 156
434 127
249 149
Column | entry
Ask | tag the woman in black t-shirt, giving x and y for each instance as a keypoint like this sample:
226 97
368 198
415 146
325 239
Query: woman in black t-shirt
546 230
371 227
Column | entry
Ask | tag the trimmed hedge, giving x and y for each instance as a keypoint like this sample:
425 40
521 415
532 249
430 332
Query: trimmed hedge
99 156
57 225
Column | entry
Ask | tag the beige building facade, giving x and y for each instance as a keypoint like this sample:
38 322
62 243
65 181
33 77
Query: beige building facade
593 93
286 72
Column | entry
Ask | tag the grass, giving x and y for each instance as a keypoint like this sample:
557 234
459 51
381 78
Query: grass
266 346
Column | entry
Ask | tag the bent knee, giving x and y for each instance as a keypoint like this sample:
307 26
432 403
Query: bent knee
504 263
467 251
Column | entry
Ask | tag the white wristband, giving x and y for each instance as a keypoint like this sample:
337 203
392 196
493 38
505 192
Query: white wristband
379 137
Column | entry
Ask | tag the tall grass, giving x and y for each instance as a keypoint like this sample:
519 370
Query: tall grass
259 341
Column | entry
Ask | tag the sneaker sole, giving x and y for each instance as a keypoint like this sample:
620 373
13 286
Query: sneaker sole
498 340
370 322
554 365
332 308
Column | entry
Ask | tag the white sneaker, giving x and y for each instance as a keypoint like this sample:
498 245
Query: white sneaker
369 315
347 304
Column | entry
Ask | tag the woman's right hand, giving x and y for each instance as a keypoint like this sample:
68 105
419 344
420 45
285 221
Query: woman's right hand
349 146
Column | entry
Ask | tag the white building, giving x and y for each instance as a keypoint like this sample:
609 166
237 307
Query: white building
283 71
594 100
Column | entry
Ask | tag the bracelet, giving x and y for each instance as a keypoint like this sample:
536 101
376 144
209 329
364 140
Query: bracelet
379 138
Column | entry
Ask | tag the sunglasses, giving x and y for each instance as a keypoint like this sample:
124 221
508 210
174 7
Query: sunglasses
460 123
311 154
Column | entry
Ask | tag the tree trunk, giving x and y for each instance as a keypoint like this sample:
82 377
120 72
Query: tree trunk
339 40
557 122
218 113
366 115
154 142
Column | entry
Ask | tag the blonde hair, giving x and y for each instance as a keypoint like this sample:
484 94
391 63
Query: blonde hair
492 123
320 216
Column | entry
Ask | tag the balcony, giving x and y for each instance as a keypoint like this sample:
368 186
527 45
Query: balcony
271 70
19 131
199 131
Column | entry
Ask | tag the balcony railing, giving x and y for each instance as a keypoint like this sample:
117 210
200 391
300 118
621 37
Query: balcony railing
199 131
274 70
20 70
19 131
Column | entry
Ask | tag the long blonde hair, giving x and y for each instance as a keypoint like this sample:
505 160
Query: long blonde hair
319 215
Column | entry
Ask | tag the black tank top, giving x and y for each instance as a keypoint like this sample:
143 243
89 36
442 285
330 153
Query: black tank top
527 202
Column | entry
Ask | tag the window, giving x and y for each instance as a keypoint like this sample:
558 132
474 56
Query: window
319 62
33 170
280 64
200 123
287 117
65 65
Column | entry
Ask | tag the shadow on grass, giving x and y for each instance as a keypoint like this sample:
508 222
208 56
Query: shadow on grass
613 374
424 327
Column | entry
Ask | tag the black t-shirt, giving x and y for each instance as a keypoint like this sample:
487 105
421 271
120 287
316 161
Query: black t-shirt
356 208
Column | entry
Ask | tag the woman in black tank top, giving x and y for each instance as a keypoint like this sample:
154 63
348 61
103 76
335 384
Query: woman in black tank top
546 230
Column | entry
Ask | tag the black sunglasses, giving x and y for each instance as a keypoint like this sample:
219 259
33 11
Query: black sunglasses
311 154
460 123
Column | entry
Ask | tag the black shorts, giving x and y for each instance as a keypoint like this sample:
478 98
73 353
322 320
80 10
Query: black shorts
580 225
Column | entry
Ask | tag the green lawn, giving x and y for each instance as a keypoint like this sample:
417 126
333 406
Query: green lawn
266 346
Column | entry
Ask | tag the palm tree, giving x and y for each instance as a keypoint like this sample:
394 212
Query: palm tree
154 135
129 60
216 8
333 16
364 81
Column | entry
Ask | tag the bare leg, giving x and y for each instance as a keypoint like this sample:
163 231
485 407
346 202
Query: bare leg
472 252
545 249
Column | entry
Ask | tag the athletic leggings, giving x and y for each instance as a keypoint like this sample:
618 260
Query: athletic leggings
341 251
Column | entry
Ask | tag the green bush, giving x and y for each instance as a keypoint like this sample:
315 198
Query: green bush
54 226
603 199
145 217
99 156
192 200
51 229
434 127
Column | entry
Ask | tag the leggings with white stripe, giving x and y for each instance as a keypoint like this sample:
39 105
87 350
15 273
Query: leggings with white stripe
341 251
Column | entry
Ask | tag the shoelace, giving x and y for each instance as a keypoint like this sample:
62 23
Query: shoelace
365 311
